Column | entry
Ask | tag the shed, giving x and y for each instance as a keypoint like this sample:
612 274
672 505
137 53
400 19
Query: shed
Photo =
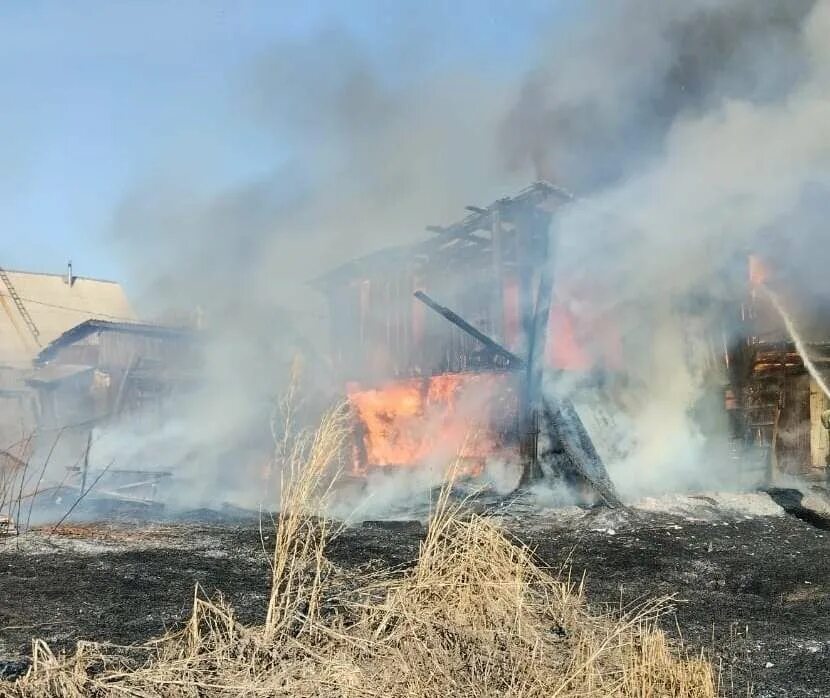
101 368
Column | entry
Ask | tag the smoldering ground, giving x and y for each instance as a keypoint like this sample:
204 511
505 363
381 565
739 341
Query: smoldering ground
691 134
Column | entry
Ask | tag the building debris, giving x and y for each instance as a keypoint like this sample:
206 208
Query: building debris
7 526
494 268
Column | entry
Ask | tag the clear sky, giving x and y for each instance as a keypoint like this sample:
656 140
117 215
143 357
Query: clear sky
98 95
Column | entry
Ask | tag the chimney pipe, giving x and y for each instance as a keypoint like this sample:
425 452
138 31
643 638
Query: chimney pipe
69 278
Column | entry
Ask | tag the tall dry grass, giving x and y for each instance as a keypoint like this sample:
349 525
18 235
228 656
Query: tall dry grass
475 616
14 467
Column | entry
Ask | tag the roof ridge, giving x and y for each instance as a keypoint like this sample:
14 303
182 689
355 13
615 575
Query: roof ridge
75 277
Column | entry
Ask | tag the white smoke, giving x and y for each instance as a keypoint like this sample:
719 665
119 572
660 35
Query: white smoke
689 132
723 177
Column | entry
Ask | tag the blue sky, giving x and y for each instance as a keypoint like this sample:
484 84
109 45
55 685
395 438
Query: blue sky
96 96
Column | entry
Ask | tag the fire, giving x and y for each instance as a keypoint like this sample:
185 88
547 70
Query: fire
758 271
430 421
578 339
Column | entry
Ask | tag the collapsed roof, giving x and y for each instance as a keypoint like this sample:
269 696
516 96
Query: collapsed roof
471 235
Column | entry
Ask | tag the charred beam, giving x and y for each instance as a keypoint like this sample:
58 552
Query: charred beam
575 457
465 326
538 337
534 371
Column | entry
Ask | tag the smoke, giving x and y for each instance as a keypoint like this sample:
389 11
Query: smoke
691 133
728 172
612 83
359 162
799 344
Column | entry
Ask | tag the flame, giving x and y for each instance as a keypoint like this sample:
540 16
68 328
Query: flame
430 421
758 271
577 343
576 340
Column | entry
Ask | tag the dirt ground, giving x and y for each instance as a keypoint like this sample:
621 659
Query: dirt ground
752 590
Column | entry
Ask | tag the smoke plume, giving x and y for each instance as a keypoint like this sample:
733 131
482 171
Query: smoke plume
691 133
730 170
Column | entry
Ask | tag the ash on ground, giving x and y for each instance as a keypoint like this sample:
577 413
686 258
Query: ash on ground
749 577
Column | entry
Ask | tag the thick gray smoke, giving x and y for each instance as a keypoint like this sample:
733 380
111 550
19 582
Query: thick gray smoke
729 170
360 163
613 82
691 132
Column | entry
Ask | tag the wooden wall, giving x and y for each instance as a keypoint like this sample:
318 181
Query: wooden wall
819 442
132 371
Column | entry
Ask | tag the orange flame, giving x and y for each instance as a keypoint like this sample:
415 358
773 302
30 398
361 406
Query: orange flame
758 271
430 421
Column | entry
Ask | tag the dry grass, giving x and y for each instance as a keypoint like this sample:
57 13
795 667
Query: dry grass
13 469
476 616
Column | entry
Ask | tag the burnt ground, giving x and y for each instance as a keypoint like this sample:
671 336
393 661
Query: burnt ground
754 592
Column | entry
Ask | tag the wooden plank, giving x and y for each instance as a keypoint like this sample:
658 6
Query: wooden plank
497 313
819 441
773 448
467 328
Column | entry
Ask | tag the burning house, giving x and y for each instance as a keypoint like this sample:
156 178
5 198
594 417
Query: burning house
775 396
441 345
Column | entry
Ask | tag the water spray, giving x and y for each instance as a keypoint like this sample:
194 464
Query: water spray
798 341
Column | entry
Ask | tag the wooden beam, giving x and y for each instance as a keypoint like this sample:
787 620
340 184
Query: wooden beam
465 326
819 445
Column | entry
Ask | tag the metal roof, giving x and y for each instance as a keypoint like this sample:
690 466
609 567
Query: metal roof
88 327
55 306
